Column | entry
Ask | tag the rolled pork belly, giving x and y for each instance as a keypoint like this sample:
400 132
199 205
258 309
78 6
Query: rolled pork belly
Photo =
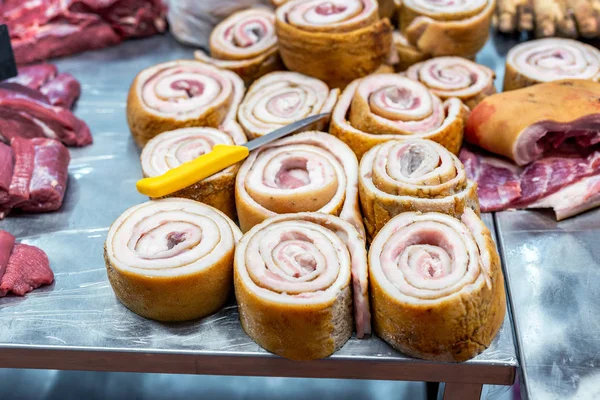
548 119
280 98
298 278
245 43
446 28
456 77
335 41
412 175
181 94
551 59
171 149
309 171
436 284
171 259
385 107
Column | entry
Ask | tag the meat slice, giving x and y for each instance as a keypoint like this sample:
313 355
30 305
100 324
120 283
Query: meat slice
549 119
34 76
7 241
498 181
28 268
6 171
573 199
49 177
62 91
27 113
568 185
40 176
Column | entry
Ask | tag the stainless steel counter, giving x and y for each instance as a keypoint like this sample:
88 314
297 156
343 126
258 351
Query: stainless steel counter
553 272
77 323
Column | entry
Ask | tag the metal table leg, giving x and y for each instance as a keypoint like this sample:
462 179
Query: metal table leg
462 391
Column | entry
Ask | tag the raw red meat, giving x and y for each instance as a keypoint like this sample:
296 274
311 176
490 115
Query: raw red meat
34 76
62 91
569 185
41 29
498 181
40 174
7 241
6 171
28 268
27 113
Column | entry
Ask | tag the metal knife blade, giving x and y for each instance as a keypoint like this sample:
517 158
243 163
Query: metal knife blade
284 131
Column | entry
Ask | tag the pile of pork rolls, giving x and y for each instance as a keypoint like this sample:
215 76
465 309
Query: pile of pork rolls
364 219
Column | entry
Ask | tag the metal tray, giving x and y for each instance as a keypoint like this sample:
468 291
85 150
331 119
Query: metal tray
77 323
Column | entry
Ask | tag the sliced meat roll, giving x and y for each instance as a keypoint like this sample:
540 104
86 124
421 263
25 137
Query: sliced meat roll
310 171
412 175
171 149
446 28
171 259
406 53
180 94
245 43
550 59
455 77
335 41
280 98
383 107
297 277
436 286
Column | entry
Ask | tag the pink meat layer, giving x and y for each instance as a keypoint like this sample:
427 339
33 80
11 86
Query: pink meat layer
62 91
28 268
6 171
27 113
7 241
41 29
503 185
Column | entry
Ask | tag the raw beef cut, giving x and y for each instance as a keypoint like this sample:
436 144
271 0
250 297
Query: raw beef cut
34 76
27 113
28 268
6 171
40 174
41 29
62 91
569 185
549 119
7 241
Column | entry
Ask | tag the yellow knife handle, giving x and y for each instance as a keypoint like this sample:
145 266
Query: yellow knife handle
221 157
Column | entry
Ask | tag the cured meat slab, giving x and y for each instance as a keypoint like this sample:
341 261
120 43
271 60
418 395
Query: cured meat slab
41 29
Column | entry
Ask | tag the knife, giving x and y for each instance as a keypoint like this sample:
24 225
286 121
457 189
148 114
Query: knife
220 157
8 66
